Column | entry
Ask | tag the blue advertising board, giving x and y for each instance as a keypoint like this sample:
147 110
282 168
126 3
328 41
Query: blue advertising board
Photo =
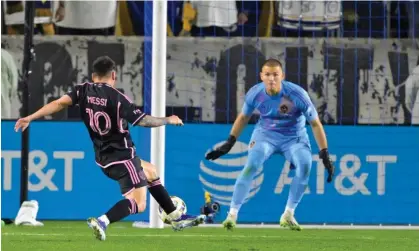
63 176
377 173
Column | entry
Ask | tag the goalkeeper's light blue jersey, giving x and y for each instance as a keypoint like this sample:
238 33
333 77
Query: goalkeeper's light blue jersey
286 112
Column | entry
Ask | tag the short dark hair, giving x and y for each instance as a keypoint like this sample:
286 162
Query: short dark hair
272 63
103 66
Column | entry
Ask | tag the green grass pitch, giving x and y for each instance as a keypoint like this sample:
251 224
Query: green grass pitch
76 236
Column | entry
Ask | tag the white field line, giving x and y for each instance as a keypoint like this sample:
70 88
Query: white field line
255 226
201 236
343 227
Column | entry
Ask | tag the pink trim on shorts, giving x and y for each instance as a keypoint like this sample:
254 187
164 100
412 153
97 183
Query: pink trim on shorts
132 173
125 194
116 162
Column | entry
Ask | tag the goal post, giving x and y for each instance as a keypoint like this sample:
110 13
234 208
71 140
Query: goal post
158 97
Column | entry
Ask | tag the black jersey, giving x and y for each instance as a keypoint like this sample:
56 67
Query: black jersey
105 112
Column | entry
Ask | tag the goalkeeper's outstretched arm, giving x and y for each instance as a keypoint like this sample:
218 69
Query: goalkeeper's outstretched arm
309 111
319 134
240 122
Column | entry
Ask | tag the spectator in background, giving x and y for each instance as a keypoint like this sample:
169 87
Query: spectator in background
9 82
412 95
88 18
174 18
307 18
42 9
220 18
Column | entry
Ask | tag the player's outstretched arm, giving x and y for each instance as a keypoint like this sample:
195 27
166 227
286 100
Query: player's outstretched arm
305 104
150 121
132 113
48 109
240 122
319 133
320 136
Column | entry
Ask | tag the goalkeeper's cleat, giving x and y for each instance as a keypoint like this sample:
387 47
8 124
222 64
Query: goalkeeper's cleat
98 227
230 222
288 220
186 221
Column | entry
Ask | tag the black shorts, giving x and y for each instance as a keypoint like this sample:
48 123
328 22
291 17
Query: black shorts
130 175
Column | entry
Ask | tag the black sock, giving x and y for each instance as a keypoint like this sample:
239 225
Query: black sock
121 210
160 194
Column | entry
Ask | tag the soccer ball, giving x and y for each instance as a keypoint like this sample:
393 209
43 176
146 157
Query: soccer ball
180 206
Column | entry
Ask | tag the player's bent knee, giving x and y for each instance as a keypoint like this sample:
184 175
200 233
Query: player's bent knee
306 166
250 169
141 204
139 195
303 170
255 159
303 162
141 207
252 166
304 176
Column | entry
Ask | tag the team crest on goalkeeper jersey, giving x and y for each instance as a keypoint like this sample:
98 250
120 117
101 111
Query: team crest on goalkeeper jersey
285 107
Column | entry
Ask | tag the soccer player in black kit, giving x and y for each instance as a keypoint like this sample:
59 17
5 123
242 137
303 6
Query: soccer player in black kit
105 112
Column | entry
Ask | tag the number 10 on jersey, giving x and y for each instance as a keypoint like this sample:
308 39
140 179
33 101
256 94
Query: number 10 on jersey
94 121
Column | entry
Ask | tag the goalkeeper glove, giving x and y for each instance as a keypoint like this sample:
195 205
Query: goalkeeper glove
327 162
223 149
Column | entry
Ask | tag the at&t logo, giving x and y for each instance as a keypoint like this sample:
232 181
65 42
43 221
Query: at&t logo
219 176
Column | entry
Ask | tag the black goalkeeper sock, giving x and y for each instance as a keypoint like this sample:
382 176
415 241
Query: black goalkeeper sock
160 194
121 210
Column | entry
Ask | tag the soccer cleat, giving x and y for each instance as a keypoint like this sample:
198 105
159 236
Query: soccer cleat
186 221
288 220
230 222
98 227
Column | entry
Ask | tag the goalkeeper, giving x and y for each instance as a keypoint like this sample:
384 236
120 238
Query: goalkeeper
284 108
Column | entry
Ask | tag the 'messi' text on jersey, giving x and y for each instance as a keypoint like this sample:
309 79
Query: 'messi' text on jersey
97 101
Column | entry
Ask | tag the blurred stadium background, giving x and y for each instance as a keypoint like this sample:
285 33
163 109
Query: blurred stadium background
358 60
